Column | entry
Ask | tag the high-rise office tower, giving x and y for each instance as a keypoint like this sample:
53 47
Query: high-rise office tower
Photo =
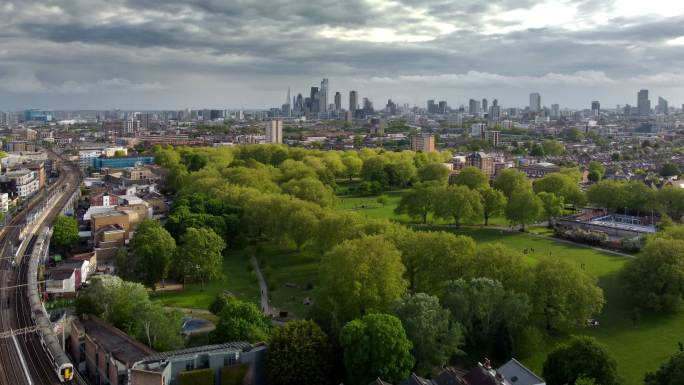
431 107
353 102
287 107
535 102
391 108
495 110
323 96
555 111
595 108
338 102
368 106
474 106
442 107
643 104
299 104
662 105
485 105
315 101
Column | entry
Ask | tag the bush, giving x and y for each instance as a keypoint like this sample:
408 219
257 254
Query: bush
581 235
631 245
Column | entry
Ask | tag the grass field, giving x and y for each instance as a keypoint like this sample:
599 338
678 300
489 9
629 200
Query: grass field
637 349
291 277
238 278
368 206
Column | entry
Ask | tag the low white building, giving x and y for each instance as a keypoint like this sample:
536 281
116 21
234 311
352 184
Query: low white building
26 181
61 282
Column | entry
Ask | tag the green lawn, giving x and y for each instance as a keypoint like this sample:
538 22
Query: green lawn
291 277
637 349
368 206
238 278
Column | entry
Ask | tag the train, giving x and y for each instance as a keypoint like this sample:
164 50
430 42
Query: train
60 361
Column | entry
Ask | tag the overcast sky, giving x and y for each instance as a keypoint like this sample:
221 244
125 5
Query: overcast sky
155 54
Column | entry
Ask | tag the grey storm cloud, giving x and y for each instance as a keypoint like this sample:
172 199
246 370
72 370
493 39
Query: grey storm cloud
245 53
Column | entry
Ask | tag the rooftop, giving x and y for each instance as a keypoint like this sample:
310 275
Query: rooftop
114 341
158 361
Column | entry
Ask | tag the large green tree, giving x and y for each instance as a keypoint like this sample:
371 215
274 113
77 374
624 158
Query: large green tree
608 194
523 207
493 202
241 321
596 171
581 357
199 255
671 201
376 346
65 232
490 315
459 204
562 185
128 307
299 353
655 278
310 189
434 336
352 164
472 177
553 147
669 373
509 180
360 276
420 201
552 205
433 257
153 247
563 297
501 263
433 172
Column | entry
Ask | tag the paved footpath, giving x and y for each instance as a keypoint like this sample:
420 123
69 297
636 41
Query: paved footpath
265 307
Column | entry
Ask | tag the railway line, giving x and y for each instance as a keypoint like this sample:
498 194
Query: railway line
24 358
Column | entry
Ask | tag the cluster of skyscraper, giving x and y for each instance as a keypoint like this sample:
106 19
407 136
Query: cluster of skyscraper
317 105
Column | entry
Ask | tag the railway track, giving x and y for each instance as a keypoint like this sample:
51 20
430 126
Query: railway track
25 350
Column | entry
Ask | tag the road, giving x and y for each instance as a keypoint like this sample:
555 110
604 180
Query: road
23 360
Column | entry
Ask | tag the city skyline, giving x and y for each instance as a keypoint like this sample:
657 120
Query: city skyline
144 55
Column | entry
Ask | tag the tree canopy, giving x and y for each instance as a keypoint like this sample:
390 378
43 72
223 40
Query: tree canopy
65 231
490 315
509 180
199 255
153 247
376 346
433 172
669 373
493 202
655 278
472 177
241 321
359 276
299 353
562 296
581 357
459 204
523 208
434 336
